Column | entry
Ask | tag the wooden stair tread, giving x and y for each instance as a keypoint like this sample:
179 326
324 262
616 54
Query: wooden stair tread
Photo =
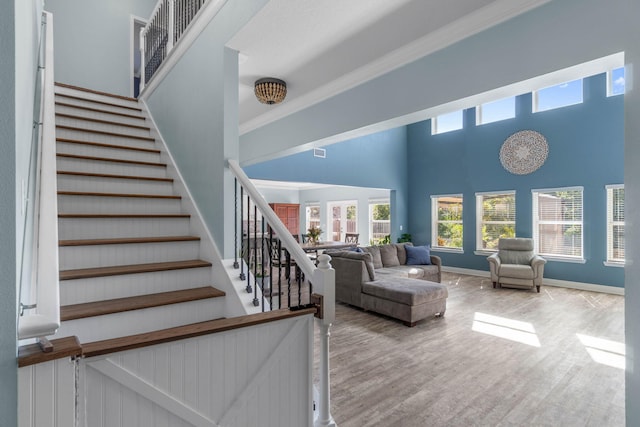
102 132
98 215
106 175
98 110
109 159
97 194
80 98
114 345
119 305
102 121
85 273
103 145
62 347
97 92
128 240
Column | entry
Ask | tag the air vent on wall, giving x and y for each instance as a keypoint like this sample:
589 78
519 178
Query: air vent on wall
320 152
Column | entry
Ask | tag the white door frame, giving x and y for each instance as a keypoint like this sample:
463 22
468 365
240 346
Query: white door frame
134 35
343 204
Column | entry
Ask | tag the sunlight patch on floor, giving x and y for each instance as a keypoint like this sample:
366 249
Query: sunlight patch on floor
501 327
605 352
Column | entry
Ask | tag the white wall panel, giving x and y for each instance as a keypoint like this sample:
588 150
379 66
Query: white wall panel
46 394
247 377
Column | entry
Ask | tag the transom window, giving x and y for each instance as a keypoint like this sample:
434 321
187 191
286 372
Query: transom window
379 221
616 82
557 223
446 223
446 122
494 111
557 96
615 224
495 217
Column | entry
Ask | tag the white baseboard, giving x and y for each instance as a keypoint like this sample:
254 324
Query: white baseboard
546 282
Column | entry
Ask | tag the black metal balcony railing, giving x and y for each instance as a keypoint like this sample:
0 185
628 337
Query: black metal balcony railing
272 275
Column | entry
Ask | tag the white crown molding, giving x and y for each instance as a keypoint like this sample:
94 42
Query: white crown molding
486 17
546 282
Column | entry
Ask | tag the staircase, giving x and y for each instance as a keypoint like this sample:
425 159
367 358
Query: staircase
129 260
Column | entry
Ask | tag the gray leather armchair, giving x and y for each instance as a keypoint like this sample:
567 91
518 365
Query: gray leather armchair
515 265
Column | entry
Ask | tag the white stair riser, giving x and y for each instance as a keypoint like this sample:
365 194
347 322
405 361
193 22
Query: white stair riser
89 104
111 205
127 285
103 127
107 152
95 96
103 228
100 115
112 168
89 256
113 185
105 139
141 321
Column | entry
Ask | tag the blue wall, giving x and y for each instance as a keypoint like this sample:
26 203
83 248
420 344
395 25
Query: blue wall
374 161
586 143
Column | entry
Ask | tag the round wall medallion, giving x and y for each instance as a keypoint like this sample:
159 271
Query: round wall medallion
524 152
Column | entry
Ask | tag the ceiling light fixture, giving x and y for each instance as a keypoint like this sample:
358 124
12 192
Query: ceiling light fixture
270 91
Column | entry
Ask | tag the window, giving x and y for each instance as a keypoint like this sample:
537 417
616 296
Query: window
615 224
495 217
557 222
501 109
557 96
446 122
446 222
312 216
379 221
616 82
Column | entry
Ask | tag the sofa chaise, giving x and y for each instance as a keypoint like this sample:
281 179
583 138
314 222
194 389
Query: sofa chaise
378 279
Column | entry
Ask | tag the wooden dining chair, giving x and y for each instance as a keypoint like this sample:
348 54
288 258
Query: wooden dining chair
351 238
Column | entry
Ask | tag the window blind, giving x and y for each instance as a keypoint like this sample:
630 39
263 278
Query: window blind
557 215
615 223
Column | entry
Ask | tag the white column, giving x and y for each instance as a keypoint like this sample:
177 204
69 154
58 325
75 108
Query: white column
324 280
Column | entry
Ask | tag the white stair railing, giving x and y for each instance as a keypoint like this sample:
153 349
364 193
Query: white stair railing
322 277
40 295
169 21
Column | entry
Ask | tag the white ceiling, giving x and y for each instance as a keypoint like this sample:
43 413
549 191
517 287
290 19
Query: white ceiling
321 48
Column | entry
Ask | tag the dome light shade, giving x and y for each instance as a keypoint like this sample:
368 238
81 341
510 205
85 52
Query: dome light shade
270 91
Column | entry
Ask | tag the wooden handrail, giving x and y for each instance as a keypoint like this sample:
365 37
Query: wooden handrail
70 346
188 331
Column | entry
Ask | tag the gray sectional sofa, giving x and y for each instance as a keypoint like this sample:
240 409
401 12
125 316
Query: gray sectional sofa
378 279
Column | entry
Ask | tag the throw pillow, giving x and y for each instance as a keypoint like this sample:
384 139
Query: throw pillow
389 256
418 255
402 253
375 254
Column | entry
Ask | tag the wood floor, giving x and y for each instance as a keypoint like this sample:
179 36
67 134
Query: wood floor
499 357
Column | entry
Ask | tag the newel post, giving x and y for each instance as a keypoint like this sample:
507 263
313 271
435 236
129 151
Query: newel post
324 281
172 25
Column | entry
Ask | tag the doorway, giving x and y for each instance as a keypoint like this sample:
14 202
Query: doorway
343 219
137 24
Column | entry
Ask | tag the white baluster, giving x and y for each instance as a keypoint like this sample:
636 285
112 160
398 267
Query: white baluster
324 280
